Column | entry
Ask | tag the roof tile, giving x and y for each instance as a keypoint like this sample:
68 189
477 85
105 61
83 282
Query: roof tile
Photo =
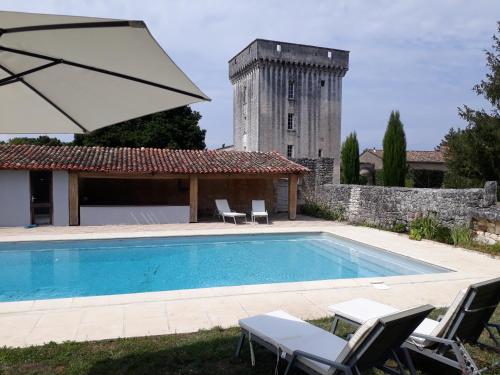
144 160
435 156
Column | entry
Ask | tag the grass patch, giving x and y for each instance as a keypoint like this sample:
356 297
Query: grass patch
204 352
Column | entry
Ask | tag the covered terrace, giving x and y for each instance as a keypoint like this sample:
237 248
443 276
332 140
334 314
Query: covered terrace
102 185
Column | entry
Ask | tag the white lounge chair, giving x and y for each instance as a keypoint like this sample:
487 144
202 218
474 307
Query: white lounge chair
224 211
317 351
259 210
465 320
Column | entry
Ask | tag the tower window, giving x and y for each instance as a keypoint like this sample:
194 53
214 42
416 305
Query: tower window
290 121
322 82
244 95
329 54
320 153
291 90
289 151
278 47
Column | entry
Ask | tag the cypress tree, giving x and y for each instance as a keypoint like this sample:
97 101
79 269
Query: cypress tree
394 158
350 160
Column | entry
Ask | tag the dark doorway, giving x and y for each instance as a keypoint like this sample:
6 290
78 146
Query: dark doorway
41 197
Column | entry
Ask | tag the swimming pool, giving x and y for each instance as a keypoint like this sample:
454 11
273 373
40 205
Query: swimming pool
57 269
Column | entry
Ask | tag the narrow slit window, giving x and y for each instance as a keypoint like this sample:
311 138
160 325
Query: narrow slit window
244 95
320 153
329 54
289 151
291 90
278 47
290 121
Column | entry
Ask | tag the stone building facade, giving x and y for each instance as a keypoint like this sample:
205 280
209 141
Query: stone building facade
287 98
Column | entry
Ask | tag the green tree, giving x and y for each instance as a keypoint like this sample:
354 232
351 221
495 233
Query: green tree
394 158
350 160
42 140
177 129
473 154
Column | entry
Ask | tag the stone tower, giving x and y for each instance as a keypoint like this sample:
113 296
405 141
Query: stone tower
287 98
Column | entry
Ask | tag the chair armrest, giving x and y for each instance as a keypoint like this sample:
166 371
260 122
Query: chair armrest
440 317
339 366
433 338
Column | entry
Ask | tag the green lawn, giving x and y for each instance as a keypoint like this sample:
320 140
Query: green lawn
205 352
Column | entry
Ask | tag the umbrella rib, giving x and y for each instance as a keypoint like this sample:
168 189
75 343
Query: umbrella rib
46 99
65 26
17 77
103 71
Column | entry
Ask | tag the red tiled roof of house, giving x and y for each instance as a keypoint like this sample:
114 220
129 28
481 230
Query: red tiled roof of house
143 160
435 156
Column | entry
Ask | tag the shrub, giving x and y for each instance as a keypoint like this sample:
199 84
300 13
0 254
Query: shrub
349 157
394 158
379 177
460 235
318 210
415 234
399 228
443 234
428 227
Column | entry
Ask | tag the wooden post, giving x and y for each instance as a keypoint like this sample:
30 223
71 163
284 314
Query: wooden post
292 196
74 205
193 199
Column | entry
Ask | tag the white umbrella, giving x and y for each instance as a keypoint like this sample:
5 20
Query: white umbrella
64 74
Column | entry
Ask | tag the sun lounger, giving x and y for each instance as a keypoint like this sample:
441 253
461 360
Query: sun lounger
317 351
466 318
259 210
224 211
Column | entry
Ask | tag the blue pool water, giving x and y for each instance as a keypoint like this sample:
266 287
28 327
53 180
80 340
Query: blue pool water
56 269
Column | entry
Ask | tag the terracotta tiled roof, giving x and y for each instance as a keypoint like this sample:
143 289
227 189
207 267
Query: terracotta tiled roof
143 160
416 156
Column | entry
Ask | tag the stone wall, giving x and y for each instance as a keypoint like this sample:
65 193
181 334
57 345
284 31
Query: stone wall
388 206
321 173
486 224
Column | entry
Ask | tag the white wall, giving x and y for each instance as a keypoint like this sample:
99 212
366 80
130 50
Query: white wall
60 198
109 215
14 198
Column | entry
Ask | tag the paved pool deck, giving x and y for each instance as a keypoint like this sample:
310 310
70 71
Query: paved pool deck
28 323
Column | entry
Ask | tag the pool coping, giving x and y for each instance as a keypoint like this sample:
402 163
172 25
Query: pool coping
467 267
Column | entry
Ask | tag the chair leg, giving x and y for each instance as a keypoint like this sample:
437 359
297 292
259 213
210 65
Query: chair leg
289 366
334 325
409 361
240 344
234 218
398 362
267 219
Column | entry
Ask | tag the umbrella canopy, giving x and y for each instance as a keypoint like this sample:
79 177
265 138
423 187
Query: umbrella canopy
65 74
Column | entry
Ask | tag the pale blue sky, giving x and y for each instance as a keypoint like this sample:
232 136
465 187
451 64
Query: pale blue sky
419 56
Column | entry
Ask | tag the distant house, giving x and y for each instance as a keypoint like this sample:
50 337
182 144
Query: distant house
426 167
63 185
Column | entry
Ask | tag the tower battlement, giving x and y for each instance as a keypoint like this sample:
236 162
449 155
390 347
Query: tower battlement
288 53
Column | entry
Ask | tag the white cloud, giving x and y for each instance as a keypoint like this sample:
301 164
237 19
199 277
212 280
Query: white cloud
422 57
